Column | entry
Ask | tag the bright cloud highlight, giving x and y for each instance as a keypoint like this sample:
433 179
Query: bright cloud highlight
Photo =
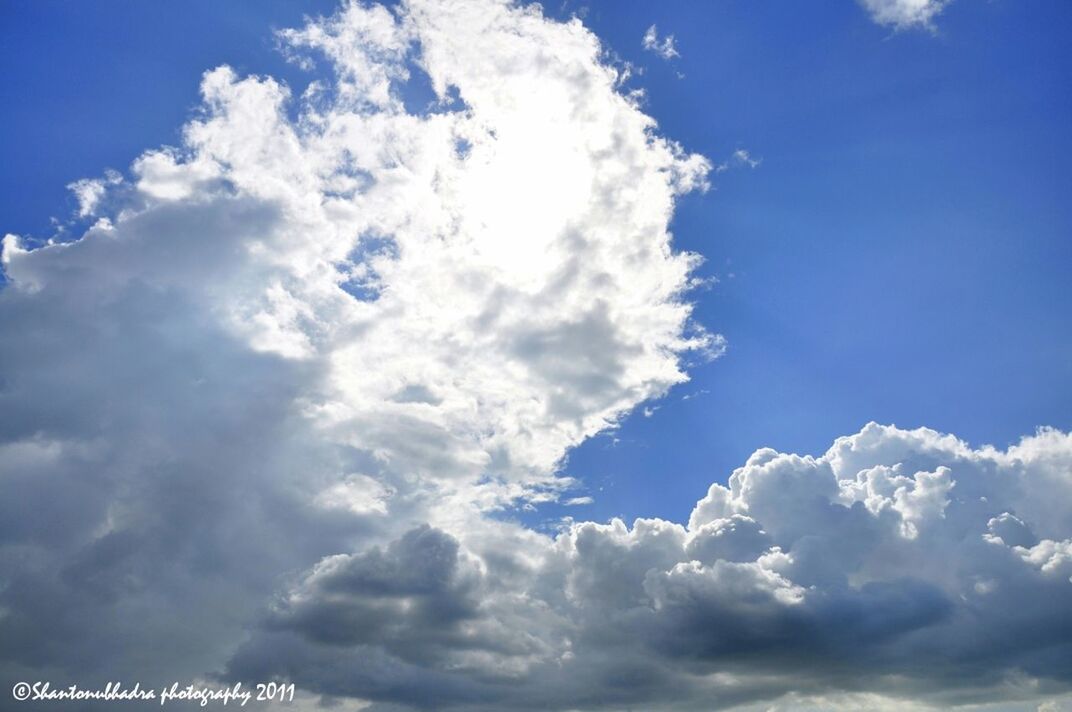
904 14
284 383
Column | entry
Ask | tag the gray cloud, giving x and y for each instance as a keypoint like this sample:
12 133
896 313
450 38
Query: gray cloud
256 419
865 579
290 338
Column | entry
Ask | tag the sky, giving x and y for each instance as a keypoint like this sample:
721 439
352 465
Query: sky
491 356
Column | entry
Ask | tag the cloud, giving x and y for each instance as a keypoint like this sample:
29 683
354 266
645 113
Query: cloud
665 47
260 416
740 158
883 570
904 14
323 319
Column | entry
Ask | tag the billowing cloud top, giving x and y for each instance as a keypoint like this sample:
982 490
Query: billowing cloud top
893 564
257 416
491 279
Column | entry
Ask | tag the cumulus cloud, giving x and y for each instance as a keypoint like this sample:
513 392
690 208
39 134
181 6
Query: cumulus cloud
664 47
904 14
258 417
323 319
898 565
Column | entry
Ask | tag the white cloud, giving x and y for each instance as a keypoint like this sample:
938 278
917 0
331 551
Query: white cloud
836 581
539 257
279 388
293 337
664 47
739 158
89 191
904 14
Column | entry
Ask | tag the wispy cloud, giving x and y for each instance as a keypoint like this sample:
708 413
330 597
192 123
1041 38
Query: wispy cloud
664 47
739 158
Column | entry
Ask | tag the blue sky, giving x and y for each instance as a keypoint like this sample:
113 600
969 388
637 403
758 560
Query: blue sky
350 336
900 255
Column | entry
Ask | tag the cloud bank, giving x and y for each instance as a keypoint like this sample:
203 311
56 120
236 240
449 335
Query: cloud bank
903 564
259 416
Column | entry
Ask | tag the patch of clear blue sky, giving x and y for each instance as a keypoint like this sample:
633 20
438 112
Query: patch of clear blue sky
903 254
